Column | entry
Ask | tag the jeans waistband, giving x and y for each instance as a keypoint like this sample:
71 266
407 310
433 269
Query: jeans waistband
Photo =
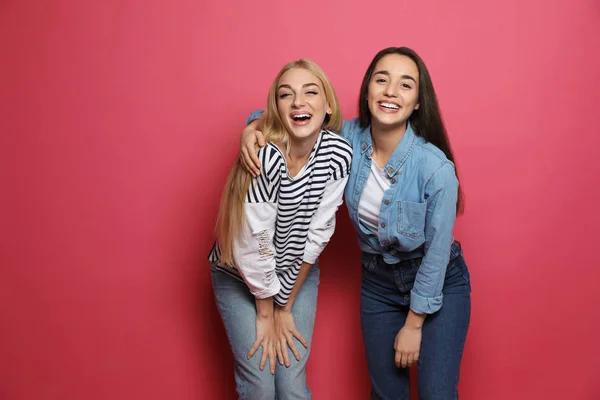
369 258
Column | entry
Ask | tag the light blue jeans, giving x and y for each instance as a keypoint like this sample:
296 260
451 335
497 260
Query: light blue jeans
238 311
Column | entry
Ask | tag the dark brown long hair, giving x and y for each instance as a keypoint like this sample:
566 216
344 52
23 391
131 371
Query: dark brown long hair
426 121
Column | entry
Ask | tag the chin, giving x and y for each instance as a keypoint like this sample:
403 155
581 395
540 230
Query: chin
386 121
303 133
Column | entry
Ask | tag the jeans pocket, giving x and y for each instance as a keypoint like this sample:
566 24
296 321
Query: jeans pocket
411 219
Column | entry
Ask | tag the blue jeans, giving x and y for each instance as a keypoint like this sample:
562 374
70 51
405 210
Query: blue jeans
238 310
385 300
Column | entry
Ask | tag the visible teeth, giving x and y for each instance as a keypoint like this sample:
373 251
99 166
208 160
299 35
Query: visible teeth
298 116
388 105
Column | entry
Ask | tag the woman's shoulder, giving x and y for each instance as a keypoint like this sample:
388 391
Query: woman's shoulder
432 153
272 161
271 153
432 161
336 141
351 130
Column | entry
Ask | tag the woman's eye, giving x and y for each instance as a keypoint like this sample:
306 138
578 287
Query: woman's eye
283 95
406 86
380 80
312 92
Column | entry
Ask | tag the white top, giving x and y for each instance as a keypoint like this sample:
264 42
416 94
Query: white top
288 219
370 201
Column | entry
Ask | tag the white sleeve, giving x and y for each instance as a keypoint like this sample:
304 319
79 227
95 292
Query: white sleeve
322 224
254 251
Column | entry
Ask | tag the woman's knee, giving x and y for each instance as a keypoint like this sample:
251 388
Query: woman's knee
256 386
290 384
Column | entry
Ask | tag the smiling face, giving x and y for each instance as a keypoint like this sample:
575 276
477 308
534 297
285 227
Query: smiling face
393 92
301 103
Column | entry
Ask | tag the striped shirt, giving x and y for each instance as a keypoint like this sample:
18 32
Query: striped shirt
288 219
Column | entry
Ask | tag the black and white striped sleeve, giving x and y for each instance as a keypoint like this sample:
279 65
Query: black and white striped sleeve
322 225
254 249
341 157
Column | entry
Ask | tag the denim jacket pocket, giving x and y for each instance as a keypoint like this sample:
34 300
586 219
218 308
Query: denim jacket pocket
411 221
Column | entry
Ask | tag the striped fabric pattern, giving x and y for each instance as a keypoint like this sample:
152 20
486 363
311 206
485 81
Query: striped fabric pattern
297 201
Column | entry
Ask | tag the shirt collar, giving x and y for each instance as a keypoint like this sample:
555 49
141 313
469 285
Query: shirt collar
400 154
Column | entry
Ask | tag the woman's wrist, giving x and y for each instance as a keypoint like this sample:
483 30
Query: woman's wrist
264 308
414 320
286 308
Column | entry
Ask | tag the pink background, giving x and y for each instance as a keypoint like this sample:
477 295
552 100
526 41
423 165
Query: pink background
120 119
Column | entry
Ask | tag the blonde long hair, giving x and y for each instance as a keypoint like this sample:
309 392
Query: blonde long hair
231 211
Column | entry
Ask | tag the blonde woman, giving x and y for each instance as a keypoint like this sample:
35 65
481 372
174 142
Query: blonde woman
271 230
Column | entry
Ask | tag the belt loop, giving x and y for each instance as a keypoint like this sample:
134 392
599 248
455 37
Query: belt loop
416 262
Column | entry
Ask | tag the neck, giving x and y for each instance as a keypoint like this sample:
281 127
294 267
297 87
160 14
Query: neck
385 140
299 152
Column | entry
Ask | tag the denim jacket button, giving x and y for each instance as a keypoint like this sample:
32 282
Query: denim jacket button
364 146
386 202
383 225
393 180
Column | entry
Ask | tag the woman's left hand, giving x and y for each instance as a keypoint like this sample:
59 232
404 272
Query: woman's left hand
285 329
407 346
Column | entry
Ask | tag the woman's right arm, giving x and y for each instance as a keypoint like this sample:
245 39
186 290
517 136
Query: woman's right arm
254 253
254 249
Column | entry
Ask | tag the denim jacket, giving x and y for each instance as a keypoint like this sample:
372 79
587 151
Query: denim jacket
417 212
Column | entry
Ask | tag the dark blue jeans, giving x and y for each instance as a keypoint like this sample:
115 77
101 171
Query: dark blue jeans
385 301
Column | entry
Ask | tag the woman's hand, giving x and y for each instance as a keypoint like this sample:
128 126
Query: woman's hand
248 141
285 329
407 346
265 338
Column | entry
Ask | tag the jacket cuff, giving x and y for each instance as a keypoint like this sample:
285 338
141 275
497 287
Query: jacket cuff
311 256
425 305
